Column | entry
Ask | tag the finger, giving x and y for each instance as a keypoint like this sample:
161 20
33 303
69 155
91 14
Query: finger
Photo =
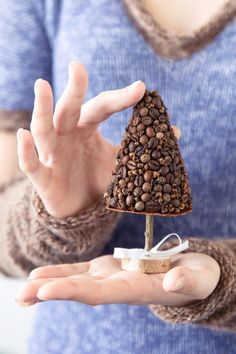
86 290
177 131
61 270
42 119
28 160
195 283
106 103
28 294
67 111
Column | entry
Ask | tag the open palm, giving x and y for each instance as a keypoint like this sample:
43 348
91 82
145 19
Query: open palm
101 281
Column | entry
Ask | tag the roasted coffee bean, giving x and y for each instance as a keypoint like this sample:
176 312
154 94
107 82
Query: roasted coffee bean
145 158
162 109
167 160
110 188
148 99
176 203
125 160
162 118
156 154
113 202
130 200
115 179
122 183
125 191
167 188
139 150
170 178
161 180
145 197
143 111
138 181
158 187
140 127
157 101
165 151
150 132
153 207
130 186
176 160
124 143
146 187
121 204
172 143
131 146
124 172
144 139
153 142
173 167
135 121
177 181
138 191
132 130
160 135
164 170
184 198
163 127
154 165
132 155
153 112
139 206
147 120
131 165
147 175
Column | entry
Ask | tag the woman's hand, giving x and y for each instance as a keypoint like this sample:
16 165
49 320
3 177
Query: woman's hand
73 162
193 277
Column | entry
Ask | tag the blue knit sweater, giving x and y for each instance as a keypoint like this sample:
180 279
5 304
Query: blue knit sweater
39 39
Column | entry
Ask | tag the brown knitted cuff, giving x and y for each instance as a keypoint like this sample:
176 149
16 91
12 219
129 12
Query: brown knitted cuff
10 121
91 226
214 310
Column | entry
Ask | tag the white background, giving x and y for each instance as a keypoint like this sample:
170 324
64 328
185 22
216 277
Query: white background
15 322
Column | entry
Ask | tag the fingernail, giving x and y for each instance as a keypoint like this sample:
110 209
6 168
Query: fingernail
36 83
18 133
180 283
134 85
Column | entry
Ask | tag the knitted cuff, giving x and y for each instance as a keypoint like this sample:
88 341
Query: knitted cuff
10 121
212 309
90 217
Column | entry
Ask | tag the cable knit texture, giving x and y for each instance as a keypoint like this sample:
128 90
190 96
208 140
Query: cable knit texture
198 87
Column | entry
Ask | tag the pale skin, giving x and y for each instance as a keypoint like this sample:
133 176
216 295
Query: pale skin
70 147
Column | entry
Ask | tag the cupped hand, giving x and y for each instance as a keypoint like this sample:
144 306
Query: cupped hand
193 276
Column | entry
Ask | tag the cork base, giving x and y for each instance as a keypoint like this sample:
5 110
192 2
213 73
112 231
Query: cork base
148 266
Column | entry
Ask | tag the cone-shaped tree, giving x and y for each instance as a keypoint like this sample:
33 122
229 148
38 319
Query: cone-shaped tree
149 176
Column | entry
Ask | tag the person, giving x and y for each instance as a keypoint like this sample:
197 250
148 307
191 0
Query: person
57 215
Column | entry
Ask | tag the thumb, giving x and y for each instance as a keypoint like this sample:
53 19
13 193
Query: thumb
106 103
195 283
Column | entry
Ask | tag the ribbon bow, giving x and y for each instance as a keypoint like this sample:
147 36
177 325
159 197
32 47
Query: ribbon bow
154 253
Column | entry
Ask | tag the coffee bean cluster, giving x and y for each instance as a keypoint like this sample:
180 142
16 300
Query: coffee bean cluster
149 174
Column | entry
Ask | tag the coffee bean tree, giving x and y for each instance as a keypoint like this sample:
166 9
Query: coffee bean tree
149 176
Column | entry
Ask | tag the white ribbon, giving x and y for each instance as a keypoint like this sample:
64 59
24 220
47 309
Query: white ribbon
154 253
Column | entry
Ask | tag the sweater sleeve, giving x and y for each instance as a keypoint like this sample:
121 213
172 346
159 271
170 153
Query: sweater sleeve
218 310
30 237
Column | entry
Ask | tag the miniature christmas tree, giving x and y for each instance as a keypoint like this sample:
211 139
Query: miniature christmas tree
149 176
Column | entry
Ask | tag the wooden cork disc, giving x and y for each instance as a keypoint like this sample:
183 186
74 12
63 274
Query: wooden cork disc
146 265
